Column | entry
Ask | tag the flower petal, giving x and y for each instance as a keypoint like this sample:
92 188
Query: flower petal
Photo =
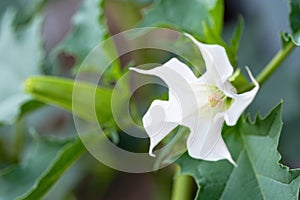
220 151
179 79
205 140
170 71
216 60
159 121
240 103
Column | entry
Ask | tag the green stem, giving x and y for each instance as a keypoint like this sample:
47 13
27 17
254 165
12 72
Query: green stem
275 62
182 187
272 65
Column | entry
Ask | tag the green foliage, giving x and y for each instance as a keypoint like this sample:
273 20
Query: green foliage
235 41
20 57
59 91
204 20
258 174
86 33
294 24
25 10
238 80
140 2
295 16
65 157
40 169
253 145
89 30
200 14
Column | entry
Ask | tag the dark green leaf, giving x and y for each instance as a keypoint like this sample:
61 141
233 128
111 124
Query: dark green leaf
258 174
20 57
295 16
65 157
294 24
174 14
235 41
204 20
176 147
44 165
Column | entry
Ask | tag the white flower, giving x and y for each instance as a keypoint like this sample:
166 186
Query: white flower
201 104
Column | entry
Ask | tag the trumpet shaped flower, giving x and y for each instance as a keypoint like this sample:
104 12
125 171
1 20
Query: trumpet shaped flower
201 104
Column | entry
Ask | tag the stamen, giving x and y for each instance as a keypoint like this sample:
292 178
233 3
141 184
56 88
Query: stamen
216 99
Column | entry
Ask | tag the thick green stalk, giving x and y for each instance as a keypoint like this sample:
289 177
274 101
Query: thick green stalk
273 65
182 187
81 98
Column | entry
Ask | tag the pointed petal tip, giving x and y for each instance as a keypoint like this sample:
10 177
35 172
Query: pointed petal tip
188 35
141 71
241 102
151 148
133 69
252 77
232 161
152 154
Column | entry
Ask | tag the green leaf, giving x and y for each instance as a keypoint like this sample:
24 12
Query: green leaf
65 157
258 174
294 24
25 10
46 162
176 147
295 21
60 91
20 57
235 40
295 16
89 31
204 20
86 33
172 13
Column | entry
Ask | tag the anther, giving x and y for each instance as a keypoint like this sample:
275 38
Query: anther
215 100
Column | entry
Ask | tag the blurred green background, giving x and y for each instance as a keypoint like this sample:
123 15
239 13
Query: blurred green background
89 179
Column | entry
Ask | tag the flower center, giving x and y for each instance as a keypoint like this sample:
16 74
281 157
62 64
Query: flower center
215 100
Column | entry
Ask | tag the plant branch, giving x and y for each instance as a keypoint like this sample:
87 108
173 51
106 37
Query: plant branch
273 65
182 187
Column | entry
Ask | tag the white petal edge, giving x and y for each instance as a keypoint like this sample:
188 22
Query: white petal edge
171 67
158 123
205 141
240 101
179 79
216 60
